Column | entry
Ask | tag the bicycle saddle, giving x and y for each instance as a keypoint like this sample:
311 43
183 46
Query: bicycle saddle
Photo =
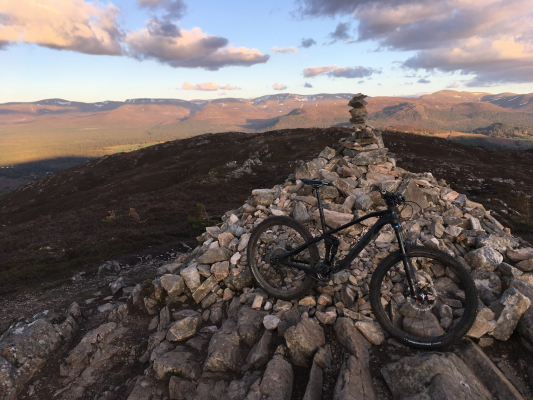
316 182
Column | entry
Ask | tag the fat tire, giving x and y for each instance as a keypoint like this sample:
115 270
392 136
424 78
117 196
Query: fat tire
471 302
258 277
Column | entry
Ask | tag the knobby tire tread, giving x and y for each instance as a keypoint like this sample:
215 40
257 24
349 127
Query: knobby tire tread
418 342
258 278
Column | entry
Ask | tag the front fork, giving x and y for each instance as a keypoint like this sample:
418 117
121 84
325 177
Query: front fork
404 249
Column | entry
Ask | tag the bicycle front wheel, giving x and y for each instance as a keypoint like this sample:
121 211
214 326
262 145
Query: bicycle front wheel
447 311
272 238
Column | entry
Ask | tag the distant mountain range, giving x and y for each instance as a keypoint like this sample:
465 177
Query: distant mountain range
58 132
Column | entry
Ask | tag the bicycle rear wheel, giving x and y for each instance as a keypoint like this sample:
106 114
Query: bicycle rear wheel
272 238
450 299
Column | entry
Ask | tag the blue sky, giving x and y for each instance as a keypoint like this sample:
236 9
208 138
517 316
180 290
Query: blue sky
93 51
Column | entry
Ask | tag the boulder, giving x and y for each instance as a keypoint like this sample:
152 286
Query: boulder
484 258
239 282
520 254
225 351
249 324
191 276
277 380
178 362
173 284
217 254
303 340
508 311
183 329
372 331
433 376
258 356
354 381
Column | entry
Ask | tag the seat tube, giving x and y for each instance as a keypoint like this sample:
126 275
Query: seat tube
322 218
409 270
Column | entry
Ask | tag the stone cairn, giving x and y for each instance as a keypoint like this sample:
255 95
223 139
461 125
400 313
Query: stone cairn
209 321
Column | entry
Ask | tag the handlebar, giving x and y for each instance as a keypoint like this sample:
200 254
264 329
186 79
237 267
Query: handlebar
392 199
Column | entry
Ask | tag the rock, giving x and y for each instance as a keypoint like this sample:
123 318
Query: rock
164 319
410 190
180 388
520 254
225 352
372 331
258 356
324 300
266 198
326 318
249 323
191 277
508 311
313 390
243 242
271 322
525 324
351 339
178 362
487 372
378 156
483 324
333 218
204 288
354 381
183 329
24 349
484 258
141 391
328 153
486 280
525 266
119 284
308 301
433 376
239 282
363 202
508 270
217 254
323 357
173 284
300 213
224 239
282 305
277 380
303 340
490 241
258 302
220 270
238 389
288 318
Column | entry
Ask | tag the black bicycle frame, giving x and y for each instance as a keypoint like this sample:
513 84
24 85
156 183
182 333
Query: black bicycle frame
387 216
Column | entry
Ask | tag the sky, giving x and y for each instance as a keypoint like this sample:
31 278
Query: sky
91 51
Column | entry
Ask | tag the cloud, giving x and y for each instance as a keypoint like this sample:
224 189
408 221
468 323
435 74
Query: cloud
192 49
489 39
222 93
317 8
361 82
340 33
424 81
284 50
64 25
208 86
175 9
279 86
306 43
307 85
335 71
454 85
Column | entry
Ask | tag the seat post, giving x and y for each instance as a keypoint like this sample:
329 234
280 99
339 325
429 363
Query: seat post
322 218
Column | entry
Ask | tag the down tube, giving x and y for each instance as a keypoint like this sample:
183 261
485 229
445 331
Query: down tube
372 232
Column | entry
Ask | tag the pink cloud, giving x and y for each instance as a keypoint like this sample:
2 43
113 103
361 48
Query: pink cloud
279 86
208 86
62 24
284 50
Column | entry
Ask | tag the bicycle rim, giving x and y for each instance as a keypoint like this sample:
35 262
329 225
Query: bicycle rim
447 310
272 239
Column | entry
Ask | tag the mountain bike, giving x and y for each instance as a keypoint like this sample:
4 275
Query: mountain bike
421 296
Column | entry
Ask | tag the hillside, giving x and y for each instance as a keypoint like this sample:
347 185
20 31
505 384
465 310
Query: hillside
79 216
40 138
